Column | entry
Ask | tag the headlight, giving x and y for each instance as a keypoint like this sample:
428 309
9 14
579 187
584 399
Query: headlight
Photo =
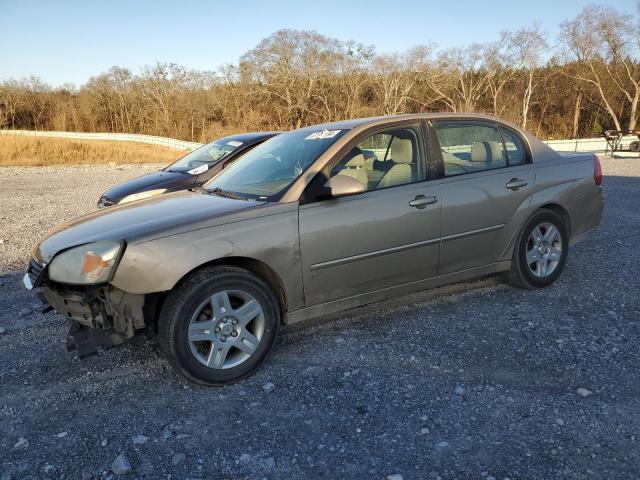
141 195
87 264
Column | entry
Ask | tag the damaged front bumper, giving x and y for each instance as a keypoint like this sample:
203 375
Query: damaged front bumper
98 315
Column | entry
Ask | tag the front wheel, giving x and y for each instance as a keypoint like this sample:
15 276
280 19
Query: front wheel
541 251
218 325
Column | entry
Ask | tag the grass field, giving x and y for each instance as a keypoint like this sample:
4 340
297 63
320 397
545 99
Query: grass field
44 151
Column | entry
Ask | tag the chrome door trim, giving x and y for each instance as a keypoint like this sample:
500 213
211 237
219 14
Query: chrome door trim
401 248
368 255
472 232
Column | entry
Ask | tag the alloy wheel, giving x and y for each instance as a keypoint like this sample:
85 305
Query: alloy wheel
544 250
226 329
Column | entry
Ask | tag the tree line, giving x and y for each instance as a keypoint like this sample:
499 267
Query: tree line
589 81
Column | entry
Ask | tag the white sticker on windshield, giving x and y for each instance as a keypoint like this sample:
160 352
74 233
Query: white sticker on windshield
322 134
234 143
198 170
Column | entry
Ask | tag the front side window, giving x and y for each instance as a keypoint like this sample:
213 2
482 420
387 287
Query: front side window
469 147
268 170
207 155
386 159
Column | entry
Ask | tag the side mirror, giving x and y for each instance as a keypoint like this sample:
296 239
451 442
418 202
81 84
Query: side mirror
343 185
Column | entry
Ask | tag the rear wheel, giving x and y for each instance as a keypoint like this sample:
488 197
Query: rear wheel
218 325
541 251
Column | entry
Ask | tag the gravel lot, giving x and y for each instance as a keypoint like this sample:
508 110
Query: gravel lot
477 380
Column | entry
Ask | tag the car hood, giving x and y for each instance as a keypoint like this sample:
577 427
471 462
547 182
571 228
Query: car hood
140 218
151 181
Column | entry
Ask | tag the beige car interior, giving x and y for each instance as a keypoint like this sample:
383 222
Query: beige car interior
402 156
489 153
398 169
483 156
356 168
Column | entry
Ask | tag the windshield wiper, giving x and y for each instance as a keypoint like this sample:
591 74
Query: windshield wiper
225 193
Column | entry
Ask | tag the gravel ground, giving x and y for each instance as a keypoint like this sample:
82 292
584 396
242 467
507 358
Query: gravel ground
477 380
34 200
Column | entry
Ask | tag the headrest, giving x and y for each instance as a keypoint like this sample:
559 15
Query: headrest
356 162
401 150
486 152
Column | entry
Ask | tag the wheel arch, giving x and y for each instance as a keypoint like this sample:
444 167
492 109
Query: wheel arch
517 275
560 210
551 206
258 268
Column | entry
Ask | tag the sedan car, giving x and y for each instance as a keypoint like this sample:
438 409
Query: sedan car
306 224
190 171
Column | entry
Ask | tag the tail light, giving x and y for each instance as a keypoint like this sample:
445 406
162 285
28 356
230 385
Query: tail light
597 170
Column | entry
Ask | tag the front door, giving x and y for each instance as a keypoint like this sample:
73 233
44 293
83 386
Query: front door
488 183
386 236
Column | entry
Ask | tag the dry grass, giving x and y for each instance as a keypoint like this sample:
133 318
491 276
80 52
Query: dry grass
42 151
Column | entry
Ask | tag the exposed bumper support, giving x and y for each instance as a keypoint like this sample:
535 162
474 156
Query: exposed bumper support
100 316
87 340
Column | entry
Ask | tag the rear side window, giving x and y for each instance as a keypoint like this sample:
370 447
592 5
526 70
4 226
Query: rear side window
516 151
469 147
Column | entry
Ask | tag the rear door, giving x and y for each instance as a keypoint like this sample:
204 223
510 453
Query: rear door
488 181
386 236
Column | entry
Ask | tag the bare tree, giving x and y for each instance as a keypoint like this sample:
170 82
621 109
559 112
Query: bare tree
607 46
289 65
35 99
297 78
500 59
394 77
353 77
530 45
9 102
462 79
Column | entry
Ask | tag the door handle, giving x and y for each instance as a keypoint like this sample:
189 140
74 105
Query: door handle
516 183
421 201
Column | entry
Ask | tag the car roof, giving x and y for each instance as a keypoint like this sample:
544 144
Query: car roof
350 124
356 122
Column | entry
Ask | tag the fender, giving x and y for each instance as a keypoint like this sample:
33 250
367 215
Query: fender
157 265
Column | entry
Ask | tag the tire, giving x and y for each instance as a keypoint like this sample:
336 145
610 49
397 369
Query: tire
547 263
218 325
635 146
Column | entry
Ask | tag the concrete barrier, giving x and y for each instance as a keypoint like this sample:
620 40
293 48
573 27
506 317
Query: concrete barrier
596 145
116 137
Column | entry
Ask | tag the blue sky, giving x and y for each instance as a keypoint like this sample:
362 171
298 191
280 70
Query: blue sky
68 41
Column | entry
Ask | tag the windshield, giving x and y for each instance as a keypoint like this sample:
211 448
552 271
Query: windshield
204 157
271 167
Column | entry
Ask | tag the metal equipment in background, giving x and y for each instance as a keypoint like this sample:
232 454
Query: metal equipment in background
615 139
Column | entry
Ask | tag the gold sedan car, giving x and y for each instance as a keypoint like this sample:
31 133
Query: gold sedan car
315 221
